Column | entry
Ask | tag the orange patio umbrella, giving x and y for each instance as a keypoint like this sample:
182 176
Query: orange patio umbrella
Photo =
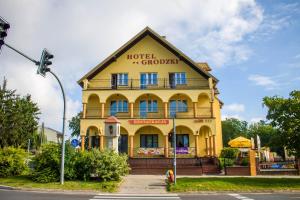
240 142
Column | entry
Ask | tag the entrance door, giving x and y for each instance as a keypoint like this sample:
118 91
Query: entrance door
123 144
114 81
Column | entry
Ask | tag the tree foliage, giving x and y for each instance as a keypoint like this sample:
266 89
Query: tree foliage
232 128
284 114
18 118
74 125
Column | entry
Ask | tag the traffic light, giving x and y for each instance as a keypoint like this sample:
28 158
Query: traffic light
3 30
44 62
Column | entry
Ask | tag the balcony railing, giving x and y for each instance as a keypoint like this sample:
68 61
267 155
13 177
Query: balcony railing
182 152
95 112
137 84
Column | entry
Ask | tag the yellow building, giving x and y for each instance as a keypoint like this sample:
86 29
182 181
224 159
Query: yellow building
144 84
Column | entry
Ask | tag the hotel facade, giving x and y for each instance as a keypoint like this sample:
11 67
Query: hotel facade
145 84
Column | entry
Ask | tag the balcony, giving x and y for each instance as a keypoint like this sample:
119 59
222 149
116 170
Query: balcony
189 113
137 84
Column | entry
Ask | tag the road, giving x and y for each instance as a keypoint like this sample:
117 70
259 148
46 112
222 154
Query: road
30 195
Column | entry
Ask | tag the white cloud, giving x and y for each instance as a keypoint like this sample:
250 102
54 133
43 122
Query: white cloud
235 107
81 34
265 81
236 116
256 119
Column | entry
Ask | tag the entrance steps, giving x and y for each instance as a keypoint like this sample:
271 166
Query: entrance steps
185 166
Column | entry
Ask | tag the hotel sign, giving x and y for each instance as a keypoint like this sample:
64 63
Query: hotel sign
148 121
150 59
203 120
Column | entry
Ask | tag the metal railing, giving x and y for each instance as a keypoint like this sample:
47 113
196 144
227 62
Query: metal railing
159 113
160 83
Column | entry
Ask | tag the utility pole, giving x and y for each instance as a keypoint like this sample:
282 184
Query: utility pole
174 147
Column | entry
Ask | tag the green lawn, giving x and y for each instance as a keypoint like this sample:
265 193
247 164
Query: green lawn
235 184
26 182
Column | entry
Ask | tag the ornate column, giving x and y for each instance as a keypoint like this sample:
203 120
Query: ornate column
101 142
131 110
83 110
197 145
82 142
210 146
211 109
165 109
166 146
206 146
131 146
195 109
214 145
102 110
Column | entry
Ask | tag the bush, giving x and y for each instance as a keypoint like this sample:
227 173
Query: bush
105 165
226 161
46 164
108 165
12 161
229 152
245 162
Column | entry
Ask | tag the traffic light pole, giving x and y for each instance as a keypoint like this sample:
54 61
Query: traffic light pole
22 54
62 164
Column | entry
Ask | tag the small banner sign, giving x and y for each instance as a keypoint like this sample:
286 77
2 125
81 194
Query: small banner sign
148 121
182 150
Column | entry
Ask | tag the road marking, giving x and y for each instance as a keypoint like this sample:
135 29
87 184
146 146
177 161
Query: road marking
238 196
135 196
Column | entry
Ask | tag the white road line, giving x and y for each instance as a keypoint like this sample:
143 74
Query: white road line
238 196
133 196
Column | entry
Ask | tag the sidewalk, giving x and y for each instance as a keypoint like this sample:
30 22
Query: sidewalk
143 184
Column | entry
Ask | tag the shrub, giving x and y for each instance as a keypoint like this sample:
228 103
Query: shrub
46 164
245 162
105 165
108 165
83 165
12 161
229 152
226 161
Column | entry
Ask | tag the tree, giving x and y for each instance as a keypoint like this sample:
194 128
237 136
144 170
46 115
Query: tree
268 136
284 114
18 118
232 128
74 125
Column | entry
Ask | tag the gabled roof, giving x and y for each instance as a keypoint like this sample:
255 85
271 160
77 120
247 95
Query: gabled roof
146 31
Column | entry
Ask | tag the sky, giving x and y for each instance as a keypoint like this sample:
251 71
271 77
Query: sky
253 47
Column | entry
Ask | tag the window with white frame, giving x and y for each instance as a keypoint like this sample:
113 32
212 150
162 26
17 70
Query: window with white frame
118 106
180 78
148 79
122 79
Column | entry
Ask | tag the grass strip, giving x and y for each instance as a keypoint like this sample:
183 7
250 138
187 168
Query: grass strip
235 184
26 182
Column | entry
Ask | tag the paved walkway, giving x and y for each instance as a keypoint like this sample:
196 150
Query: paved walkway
143 184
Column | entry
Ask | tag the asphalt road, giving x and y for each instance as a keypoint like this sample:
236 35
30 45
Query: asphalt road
30 195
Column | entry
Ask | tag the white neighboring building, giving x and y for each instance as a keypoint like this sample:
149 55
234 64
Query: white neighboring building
51 134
